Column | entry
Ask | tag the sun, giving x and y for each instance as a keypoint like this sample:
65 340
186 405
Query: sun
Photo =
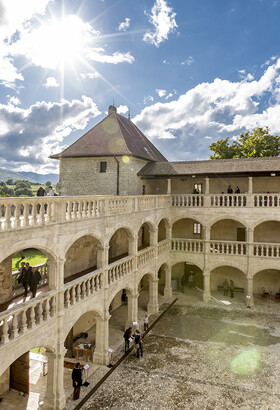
62 42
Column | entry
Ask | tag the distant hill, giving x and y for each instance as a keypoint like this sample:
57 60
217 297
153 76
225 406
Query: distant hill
15 176
27 176
41 177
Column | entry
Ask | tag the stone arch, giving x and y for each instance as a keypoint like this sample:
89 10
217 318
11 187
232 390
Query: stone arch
187 268
120 243
75 316
78 236
228 229
230 271
267 231
146 235
178 217
163 226
161 273
186 228
264 219
222 217
188 261
31 243
117 290
267 280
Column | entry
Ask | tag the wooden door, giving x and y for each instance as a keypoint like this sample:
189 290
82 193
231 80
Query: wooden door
19 374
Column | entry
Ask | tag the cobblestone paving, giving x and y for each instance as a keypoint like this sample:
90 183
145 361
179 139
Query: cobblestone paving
201 357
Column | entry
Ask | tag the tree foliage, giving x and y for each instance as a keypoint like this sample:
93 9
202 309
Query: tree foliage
258 143
48 183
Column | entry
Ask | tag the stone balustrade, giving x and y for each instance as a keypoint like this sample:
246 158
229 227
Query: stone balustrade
164 246
22 212
268 250
146 256
187 245
82 288
227 200
228 248
21 320
120 269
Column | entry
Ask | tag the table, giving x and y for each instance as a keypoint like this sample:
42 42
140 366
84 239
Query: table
83 349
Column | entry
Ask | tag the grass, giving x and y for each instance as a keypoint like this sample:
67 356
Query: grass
32 256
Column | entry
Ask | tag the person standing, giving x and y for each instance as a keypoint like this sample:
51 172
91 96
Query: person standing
34 279
127 336
77 380
191 280
146 322
41 192
237 190
138 343
226 286
26 272
231 288
52 191
229 190
184 281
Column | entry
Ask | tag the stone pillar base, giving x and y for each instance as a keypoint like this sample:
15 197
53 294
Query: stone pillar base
249 301
206 297
152 308
101 358
60 402
167 293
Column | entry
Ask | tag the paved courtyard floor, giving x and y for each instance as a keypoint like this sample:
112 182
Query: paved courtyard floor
198 356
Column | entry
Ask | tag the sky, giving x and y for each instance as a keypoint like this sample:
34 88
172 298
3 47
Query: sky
189 71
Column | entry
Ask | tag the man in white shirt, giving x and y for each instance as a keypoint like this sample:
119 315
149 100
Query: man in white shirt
52 191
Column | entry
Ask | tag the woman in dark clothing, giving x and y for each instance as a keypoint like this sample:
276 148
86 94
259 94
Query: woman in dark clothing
127 336
77 381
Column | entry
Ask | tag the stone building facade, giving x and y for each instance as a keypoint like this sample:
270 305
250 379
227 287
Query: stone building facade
99 245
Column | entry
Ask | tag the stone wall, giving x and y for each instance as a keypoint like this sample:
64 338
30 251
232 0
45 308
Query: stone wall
82 176
82 255
6 280
5 381
118 244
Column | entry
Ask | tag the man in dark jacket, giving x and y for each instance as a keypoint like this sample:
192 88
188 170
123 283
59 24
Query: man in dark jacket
34 279
77 380
41 192
26 272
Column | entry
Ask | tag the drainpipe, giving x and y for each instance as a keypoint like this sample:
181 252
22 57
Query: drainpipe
118 176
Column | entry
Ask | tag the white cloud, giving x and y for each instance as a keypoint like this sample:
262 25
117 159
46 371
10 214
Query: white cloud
182 128
116 58
169 95
122 109
8 72
51 82
14 100
189 61
148 99
124 25
165 62
91 75
161 92
162 17
27 133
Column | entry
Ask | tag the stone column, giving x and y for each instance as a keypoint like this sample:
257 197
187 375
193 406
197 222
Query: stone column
132 309
101 355
168 186
102 256
250 294
154 237
167 287
206 282
49 400
60 392
6 280
206 186
152 306
51 264
250 185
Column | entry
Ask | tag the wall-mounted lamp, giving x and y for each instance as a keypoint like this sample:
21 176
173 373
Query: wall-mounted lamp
193 176
273 175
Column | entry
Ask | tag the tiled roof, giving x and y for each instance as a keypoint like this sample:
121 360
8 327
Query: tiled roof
114 135
217 166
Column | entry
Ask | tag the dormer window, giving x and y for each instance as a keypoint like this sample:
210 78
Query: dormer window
103 166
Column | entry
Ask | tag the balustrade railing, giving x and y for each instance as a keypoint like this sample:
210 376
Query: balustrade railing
146 256
267 250
228 248
163 246
188 200
120 269
22 212
187 245
82 288
229 200
19 321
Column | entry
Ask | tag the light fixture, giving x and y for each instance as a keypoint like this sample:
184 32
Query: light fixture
273 175
193 176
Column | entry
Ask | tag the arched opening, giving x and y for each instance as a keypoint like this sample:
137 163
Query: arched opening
24 383
267 232
119 245
187 228
81 258
267 281
162 230
81 339
161 278
23 275
120 320
228 230
186 276
144 237
220 282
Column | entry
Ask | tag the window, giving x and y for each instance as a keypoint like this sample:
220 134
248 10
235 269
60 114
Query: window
103 166
196 228
197 189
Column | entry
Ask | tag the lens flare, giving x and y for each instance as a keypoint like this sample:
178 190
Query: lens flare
246 362
125 159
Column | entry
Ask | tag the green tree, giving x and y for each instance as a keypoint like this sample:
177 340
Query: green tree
23 184
5 191
23 191
48 183
258 143
10 182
